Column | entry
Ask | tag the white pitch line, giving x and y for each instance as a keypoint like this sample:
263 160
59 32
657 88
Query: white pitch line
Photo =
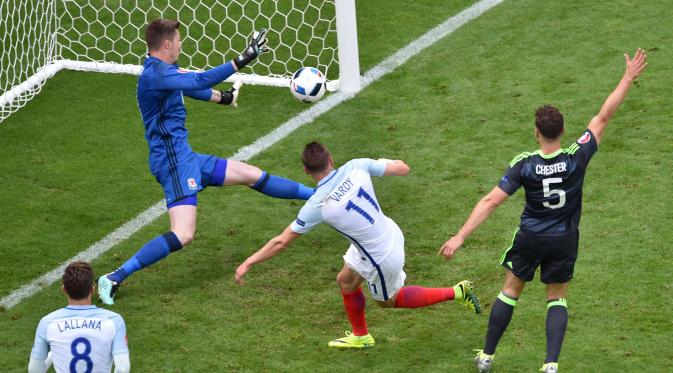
307 116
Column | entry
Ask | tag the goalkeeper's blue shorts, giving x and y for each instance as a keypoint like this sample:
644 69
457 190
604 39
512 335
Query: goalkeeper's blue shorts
185 179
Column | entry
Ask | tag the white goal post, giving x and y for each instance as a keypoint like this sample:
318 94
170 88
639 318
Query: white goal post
38 38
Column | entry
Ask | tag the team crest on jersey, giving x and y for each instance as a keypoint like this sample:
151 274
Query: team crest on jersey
191 183
584 138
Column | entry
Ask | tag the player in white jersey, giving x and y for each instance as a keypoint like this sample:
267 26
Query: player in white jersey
81 336
345 199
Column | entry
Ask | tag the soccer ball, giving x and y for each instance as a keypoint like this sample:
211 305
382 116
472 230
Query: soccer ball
308 84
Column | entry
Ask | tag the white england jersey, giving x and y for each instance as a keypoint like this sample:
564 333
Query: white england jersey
345 200
81 339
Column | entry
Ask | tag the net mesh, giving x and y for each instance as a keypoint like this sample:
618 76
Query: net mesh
302 33
27 39
36 33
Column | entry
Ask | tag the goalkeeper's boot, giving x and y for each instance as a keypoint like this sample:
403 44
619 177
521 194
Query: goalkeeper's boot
353 341
483 361
549 368
107 289
465 296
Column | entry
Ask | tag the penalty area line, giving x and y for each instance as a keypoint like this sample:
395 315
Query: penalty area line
307 116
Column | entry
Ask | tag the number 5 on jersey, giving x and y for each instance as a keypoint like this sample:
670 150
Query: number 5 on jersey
550 192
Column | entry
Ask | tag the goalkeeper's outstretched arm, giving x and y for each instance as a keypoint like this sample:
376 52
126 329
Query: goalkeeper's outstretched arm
256 47
227 97
198 82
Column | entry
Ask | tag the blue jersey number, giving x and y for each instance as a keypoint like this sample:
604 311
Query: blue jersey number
83 356
363 193
353 206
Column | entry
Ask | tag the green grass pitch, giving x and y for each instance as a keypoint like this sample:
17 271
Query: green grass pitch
73 168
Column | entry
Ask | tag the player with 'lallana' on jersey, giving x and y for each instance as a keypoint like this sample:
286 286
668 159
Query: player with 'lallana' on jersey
548 234
81 336
345 199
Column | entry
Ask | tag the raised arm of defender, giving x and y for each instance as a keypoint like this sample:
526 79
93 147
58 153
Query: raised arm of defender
634 67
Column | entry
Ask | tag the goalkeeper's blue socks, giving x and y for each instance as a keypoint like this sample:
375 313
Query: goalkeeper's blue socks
501 314
278 187
557 321
152 252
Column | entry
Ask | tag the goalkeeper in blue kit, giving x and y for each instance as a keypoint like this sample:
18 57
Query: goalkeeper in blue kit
181 172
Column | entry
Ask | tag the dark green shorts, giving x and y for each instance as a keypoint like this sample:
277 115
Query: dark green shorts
555 255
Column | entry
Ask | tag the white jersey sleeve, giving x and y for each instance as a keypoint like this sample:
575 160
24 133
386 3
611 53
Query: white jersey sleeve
119 342
373 167
40 346
309 216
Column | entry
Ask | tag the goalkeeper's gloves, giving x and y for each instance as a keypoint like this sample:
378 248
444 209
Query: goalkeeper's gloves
255 48
229 97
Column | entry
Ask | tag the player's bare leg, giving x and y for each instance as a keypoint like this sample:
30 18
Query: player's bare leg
183 227
557 321
349 280
501 314
183 222
354 302
240 173
513 285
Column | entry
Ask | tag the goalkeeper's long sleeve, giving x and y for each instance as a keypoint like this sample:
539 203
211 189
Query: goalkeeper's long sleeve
171 77
202 94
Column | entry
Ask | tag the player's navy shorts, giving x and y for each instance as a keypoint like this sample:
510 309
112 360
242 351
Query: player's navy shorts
556 256
182 181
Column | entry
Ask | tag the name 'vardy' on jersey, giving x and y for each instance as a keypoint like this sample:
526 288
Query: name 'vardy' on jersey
341 190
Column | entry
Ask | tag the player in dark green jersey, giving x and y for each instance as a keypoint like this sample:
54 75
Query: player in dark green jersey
548 234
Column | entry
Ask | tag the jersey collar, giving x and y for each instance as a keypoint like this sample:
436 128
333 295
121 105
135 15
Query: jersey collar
151 59
549 156
327 178
82 307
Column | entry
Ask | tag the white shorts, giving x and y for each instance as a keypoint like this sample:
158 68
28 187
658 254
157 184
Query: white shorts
384 279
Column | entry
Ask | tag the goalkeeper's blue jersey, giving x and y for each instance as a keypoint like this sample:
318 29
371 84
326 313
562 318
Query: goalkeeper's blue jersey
160 98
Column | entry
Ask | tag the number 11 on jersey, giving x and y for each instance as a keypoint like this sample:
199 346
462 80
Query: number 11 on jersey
353 206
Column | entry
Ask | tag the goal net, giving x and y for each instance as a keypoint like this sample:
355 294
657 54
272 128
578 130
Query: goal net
41 37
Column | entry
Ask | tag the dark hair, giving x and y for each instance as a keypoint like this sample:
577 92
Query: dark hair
159 30
315 157
78 279
549 121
